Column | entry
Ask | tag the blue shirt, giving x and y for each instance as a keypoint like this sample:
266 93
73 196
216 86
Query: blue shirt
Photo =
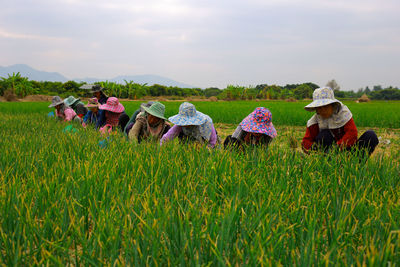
99 118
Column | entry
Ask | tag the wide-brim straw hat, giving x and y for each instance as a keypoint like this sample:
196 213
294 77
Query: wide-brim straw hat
259 121
69 101
97 88
188 115
56 101
93 103
92 87
322 97
112 105
156 109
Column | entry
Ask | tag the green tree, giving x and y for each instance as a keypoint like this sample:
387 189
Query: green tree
72 88
212 91
20 86
303 91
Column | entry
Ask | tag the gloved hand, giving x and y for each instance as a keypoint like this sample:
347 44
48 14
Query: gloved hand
103 143
106 129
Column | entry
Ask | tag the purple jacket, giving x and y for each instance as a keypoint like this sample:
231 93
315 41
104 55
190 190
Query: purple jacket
176 129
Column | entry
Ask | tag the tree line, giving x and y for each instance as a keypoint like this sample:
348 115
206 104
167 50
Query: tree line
20 86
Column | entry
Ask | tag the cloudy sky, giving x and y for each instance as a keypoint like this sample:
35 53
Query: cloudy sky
208 42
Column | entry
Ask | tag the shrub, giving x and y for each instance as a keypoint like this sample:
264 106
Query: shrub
9 95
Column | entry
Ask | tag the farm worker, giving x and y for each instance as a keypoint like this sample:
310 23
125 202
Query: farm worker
63 111
115 115
150 124
98 93
191 125
132 120
333 124
255 129
76 105
95 115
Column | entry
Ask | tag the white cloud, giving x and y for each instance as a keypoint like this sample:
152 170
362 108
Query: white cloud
356 6
24 36
207 42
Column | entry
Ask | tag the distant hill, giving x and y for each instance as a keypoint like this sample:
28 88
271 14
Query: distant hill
33 74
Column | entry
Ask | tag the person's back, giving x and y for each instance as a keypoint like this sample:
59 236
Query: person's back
255 130
191 125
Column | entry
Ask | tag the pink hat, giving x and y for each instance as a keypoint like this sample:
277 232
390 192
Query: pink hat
259 121
113 105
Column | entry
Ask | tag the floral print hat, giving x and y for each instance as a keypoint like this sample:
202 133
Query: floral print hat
322 97
188 115
259 121
92 103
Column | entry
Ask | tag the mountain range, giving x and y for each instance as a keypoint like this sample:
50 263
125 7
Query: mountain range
37 75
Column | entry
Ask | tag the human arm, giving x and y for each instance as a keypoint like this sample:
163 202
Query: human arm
101 118
213 137
87 116
171 134
135 131
69 114
308 139
350 135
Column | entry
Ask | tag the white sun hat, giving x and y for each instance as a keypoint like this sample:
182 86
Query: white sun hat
321 97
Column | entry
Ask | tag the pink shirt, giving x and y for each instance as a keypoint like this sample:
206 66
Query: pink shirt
68 115
176 129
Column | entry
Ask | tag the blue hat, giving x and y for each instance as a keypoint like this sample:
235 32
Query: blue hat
188 115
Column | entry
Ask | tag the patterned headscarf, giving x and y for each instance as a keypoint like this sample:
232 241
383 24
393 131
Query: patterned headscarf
200 131
339 118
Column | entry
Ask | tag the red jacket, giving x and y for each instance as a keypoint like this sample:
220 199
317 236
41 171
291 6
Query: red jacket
345 136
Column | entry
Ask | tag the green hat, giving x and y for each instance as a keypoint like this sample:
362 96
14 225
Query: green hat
157 110
71 100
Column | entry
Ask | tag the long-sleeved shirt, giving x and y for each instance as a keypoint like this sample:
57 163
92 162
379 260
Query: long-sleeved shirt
345 136
176 129
131 122
68 115
141 130
99 118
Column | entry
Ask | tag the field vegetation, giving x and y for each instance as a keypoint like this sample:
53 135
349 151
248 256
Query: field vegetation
66 200
373 114
18 86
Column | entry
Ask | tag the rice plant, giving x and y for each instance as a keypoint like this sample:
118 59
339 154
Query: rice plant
66 200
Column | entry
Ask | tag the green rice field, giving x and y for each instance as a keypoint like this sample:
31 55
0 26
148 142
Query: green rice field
373 114
64 200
